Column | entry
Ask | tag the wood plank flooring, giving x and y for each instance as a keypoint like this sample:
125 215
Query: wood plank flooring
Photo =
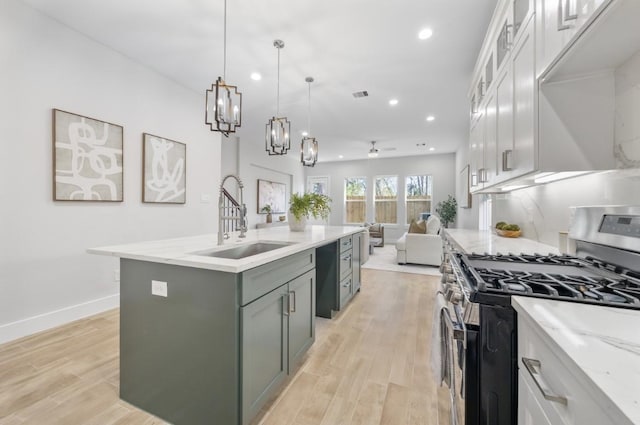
368 366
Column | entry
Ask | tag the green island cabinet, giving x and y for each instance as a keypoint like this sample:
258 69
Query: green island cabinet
219 345
338 274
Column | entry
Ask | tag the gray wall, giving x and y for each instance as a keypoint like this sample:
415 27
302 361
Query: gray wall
46 278
440 167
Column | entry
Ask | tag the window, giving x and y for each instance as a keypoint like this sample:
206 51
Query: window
386 199
355 190
418 196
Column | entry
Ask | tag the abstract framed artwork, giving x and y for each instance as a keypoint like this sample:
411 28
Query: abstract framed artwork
164 170
273 194
87 159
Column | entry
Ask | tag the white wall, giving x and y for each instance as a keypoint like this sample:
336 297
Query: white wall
46 278
440 167
543 211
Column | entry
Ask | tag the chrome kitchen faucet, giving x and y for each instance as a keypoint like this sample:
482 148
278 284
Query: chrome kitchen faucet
226 212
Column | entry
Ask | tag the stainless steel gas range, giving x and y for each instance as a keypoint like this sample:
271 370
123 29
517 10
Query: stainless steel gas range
605 270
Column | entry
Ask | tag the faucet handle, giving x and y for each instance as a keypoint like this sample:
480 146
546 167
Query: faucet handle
226 236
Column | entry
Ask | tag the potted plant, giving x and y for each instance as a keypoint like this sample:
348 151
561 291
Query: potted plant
267 209
447 210
301 207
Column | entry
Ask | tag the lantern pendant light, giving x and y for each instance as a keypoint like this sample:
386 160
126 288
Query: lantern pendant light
276 137
309 144
223 109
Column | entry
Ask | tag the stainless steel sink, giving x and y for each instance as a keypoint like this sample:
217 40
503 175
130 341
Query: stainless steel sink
244 251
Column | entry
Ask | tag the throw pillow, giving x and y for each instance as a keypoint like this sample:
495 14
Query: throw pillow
418 227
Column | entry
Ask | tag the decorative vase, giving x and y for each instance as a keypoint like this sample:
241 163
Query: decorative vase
297 225
269 218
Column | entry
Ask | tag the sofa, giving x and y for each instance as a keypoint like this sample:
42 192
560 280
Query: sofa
421 248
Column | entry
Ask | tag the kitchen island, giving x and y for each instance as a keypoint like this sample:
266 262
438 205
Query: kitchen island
206 339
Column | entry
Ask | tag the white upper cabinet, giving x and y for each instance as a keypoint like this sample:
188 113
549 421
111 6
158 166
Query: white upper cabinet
564 93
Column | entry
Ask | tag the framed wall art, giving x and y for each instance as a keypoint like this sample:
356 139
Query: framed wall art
164 170
273 194
87 159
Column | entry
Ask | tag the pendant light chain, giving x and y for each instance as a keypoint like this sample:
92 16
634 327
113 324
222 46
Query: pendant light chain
278 88
224 49
309 111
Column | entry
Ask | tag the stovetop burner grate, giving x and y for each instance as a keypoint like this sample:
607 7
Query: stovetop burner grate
552 276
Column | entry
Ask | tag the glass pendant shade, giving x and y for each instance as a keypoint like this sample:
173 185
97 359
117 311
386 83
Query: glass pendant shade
224 106
276 135
309 151
277 140
309 145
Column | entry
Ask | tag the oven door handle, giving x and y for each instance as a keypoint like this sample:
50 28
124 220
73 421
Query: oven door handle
454 331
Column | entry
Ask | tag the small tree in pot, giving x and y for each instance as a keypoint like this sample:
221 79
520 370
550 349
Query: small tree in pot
447 210
301 207
267 209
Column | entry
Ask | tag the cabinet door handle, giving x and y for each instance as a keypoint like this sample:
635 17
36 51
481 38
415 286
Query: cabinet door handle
286 304
506 160
292 305
562 26
482 175
347 258
533 366
567 16
347 283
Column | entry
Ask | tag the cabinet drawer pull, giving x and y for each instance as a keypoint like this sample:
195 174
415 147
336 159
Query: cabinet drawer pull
533 366
506 160
292 305
347 283
286 304
346 258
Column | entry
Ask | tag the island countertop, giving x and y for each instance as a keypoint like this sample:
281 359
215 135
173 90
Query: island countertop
182 251
600 344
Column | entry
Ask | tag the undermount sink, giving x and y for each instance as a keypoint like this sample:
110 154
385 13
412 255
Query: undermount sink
244 251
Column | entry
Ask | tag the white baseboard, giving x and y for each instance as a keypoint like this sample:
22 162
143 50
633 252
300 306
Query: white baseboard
42 322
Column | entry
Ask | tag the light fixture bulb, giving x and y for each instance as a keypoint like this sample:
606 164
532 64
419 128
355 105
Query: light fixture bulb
430 118
393 102
432 149
255 76
425 33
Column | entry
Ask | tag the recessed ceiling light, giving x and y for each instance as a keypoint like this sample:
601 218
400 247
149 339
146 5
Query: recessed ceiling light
305 134
431 118
474 145
340 156
432 149
255 76
425 33
393 102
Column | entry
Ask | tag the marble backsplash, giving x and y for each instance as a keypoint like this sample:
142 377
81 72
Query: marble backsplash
544 211
627 114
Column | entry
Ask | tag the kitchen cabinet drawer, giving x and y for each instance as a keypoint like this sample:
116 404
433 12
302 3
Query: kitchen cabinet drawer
258 281
567 398
346 243
346 264
530 411
346 290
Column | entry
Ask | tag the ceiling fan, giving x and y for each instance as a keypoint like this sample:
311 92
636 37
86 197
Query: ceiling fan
373 152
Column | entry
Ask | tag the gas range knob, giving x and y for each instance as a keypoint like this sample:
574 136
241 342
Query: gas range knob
456 296
451 278
446 268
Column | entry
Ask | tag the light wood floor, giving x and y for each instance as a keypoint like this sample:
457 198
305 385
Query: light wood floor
368 366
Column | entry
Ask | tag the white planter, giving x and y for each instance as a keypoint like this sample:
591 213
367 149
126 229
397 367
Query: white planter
296 225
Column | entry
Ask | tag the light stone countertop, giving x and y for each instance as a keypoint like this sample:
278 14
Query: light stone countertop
485 241
601 343
180 251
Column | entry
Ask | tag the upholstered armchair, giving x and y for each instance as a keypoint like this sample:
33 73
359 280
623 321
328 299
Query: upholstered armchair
376 231
421 248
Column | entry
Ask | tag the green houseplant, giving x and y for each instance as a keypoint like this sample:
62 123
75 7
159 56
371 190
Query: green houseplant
267 209
301 207
447 210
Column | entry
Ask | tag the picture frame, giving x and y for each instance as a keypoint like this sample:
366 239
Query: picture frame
164 170
463 188
318 184
87 159
273 194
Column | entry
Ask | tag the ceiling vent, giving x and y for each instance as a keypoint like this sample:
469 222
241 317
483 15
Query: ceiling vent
359 94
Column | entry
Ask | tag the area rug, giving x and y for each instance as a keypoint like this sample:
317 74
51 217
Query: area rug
384 258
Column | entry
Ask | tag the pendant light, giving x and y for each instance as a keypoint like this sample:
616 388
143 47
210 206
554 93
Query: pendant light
276 136
223 101
309 145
